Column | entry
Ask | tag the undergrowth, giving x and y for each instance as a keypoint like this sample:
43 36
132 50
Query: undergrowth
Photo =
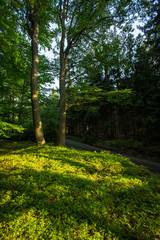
58 193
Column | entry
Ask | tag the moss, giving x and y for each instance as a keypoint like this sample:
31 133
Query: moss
53 192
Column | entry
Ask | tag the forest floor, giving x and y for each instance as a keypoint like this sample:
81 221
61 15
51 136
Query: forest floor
152 164
56 193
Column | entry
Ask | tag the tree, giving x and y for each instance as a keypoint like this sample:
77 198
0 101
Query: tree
146 77
19 20
33 16
76 20
15 64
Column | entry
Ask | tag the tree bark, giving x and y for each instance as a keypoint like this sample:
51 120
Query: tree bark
63 65
34 83
62 113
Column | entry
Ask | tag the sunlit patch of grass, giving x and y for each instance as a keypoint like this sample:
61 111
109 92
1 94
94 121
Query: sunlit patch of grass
50 192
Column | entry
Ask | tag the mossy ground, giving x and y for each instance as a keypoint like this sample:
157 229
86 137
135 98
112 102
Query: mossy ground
57 193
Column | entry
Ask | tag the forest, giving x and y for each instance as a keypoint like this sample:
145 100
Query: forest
108 77
105 56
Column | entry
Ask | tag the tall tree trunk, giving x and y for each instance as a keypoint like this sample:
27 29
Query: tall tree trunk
62 113
63 65
34 83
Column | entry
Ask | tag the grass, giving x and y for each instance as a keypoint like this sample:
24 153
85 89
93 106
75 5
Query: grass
57 193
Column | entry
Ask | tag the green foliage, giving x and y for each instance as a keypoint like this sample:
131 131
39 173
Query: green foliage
50 115
110 74
7 129
127 72
122 97
52 192
15 63
82 94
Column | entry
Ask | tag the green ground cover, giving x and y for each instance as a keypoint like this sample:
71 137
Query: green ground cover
57 193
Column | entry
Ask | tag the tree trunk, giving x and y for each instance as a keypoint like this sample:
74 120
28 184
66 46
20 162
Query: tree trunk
63 65
62 114
34 84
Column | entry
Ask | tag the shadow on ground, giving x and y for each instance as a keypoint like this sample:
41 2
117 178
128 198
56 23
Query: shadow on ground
70 204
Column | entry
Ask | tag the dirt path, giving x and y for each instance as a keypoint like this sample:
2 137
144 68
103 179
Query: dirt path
150 164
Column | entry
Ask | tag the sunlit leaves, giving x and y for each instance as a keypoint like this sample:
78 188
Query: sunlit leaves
6 129
122 97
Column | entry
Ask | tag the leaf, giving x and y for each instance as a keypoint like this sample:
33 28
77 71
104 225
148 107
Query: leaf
7 128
